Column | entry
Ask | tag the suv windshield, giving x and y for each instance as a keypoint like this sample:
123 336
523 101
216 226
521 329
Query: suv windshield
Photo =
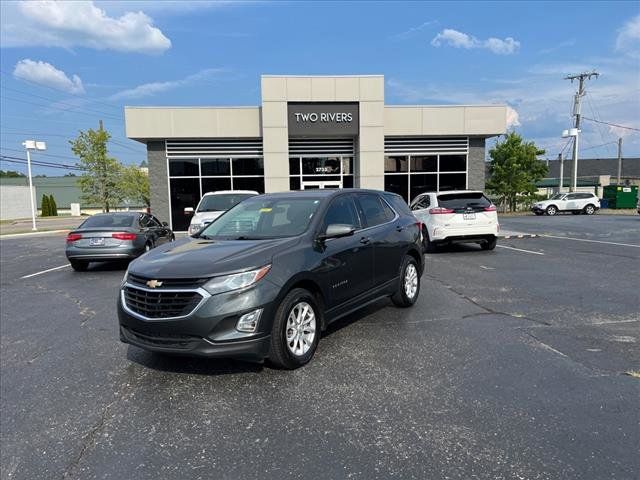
557 196
264 218
463 201
216 203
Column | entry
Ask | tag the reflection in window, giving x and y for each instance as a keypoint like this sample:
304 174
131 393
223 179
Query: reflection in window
185 192
184 167
248 166
453 163
453 181
215 166
249 183
422 183
424 163
397 184
215 184
396 164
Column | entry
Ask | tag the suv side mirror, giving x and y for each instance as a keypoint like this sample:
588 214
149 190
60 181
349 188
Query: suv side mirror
165 224
188 211
337 230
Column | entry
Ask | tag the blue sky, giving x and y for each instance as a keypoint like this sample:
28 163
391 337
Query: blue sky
65 65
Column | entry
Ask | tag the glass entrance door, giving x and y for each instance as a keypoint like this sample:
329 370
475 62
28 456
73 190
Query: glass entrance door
320 185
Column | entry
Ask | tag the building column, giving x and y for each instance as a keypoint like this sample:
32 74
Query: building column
159 180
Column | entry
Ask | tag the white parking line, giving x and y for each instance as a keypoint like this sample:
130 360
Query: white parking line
592 241
45 271
520 250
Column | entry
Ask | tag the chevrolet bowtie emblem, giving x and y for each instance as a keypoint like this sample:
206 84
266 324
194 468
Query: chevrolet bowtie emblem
154 283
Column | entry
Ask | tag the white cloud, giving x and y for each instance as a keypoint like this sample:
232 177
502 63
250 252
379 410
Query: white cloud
628 39
79 24
513 118
46 74
153 88
457 39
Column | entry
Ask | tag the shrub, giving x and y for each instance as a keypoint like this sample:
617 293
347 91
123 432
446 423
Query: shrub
45 207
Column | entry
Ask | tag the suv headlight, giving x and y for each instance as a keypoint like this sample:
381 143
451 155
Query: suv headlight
235 281
194 227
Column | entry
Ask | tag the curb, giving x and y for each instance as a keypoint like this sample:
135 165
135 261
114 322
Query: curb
32 234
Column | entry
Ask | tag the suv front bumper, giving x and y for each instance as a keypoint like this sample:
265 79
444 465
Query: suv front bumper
209 329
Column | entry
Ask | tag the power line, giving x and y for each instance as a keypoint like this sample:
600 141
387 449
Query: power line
40 153
60 145
57 108
12 159
598 127
612 124
62 102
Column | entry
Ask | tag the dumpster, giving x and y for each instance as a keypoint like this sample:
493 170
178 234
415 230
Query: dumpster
621 196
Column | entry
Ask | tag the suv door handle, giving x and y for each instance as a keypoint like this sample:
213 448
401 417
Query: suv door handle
365 240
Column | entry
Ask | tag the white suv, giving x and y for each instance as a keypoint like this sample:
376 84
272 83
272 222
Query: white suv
461 216
576 203
214 204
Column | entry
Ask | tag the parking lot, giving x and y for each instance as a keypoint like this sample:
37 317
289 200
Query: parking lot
512 365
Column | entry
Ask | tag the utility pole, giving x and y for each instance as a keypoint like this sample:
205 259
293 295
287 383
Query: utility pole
619 159
561 172
581 77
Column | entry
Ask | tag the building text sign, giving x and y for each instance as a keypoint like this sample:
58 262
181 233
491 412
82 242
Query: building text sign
322 119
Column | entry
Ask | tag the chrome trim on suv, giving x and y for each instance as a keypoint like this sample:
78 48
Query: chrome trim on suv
201 291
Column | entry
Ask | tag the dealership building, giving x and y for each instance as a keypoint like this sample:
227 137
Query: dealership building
311 132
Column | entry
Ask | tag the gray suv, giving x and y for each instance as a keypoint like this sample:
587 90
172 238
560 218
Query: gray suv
265 278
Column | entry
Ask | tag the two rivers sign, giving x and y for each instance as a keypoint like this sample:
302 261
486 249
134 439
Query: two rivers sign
323 119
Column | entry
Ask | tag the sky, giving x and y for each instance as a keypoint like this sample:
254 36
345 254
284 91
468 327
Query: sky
66 65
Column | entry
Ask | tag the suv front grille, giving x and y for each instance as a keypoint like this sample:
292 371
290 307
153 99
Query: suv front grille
160 304
168 282
161 339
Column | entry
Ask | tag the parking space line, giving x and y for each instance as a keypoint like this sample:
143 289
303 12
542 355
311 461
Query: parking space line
45 271
592 241
520 250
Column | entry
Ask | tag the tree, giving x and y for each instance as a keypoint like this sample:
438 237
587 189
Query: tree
45 207
53 207
134 183
11 174
514 169
100 181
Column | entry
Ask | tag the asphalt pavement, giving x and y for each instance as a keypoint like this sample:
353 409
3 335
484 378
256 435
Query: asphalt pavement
512 365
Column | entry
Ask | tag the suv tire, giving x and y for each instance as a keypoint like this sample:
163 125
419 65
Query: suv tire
291 315
427 245
489 244
79 265
408 284
589 209
551 210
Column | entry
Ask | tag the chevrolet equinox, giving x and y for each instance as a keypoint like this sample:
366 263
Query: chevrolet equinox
265 278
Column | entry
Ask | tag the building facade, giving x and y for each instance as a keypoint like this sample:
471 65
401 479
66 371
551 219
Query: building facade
311 132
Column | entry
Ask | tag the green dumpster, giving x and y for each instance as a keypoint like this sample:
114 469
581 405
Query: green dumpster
621 196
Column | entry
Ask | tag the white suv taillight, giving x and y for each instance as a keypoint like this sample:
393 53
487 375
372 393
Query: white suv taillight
440 211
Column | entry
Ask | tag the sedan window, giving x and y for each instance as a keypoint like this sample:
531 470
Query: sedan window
108 221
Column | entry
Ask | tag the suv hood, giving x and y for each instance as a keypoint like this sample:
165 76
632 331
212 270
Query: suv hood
205 217
197 257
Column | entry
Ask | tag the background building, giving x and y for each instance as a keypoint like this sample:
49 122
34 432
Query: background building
311 132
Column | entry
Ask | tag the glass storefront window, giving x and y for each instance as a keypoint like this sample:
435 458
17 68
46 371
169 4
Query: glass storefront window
294 183
453 181
347 181
215 166
424 163
321 165
187 167
397 184
347 165
215 184
396 164
421 183
453 163
185 192
249 183
248 166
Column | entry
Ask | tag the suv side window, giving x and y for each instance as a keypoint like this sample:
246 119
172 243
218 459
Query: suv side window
374 210
342 210
424 202
154 221
145 221
573 196
398 204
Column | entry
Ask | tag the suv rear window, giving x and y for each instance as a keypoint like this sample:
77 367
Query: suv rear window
463 201
398 203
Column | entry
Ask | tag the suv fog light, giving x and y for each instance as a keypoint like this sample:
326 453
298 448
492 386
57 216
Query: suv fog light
249 321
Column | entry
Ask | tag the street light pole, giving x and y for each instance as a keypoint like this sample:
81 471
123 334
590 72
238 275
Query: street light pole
32 145
31 194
